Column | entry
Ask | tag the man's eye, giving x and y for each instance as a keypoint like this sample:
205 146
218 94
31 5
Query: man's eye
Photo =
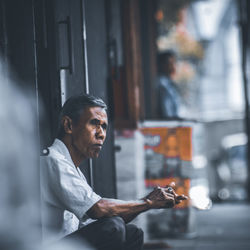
95 122
104 126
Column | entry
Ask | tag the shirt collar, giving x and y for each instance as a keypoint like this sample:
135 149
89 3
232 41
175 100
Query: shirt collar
61 148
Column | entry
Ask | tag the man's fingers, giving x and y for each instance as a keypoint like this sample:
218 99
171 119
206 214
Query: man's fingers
181 197
170 195
172 184
170 202
169 190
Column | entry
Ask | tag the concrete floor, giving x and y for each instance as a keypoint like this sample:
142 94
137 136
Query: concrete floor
224 227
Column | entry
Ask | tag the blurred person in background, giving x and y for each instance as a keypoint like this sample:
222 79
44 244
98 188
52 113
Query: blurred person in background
70 207
169 100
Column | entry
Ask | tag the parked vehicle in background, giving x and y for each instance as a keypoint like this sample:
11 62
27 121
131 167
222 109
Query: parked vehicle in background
230 166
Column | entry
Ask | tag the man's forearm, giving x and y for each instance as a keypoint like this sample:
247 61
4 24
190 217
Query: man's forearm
128 210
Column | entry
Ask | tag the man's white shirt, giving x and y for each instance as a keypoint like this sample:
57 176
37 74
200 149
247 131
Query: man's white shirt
65 194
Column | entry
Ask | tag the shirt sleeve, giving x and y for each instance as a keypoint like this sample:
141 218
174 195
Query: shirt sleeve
71 190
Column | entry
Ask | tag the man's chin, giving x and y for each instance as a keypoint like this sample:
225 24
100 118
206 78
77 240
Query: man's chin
94 155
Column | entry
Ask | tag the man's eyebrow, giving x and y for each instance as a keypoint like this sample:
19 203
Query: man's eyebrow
95 120
98 122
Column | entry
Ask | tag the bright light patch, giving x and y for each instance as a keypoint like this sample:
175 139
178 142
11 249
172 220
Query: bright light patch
199 197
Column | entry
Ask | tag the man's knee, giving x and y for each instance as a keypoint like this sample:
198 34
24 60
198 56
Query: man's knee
134 237
115 229
140 235
139 232
135 231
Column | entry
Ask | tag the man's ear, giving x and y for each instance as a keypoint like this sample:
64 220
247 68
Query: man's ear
67 124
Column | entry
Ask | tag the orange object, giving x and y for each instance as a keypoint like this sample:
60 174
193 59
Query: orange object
171 142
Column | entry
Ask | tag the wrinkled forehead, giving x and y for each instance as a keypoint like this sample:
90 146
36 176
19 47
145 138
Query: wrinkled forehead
95 112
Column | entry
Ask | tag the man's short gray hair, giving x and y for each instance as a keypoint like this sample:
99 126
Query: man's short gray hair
74 106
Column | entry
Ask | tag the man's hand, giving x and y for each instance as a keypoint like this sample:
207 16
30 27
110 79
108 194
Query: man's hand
178 198
164 197
159 198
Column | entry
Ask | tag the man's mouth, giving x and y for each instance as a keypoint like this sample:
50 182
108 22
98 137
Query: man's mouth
99 146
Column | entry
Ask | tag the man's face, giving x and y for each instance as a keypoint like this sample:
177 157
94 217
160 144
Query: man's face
170 66
89 133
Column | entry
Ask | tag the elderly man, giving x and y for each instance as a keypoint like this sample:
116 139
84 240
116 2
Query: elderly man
70 208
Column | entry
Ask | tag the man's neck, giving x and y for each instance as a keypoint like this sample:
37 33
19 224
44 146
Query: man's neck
76 157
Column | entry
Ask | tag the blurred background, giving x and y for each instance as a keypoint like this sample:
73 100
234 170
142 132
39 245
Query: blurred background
175 76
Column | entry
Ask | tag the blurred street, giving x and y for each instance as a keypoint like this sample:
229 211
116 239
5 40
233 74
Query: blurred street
225 226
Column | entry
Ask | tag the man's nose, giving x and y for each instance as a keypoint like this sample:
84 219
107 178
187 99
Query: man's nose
101 133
